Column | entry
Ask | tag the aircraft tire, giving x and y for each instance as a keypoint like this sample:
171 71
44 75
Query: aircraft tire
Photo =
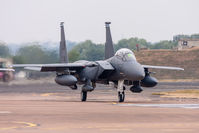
124 88
83 96
121 96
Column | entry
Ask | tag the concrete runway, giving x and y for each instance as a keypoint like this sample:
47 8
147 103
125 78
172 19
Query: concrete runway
49 108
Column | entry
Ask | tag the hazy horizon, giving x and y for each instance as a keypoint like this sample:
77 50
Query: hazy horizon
154 20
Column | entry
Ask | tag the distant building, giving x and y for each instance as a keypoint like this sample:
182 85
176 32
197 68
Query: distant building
185 41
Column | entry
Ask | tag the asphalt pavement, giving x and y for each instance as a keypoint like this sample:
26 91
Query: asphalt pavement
46 107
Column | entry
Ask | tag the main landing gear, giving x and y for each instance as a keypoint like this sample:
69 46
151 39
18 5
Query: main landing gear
89 86
136 88
83 95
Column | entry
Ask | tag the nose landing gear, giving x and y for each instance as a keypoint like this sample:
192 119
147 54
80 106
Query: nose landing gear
121 89
121 96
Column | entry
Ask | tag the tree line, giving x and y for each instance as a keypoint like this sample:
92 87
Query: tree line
87 50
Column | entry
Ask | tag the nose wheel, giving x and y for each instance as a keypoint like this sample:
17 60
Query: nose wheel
120 90
121 96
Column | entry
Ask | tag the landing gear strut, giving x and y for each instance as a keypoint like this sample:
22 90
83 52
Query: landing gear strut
83 95
87 87
120 89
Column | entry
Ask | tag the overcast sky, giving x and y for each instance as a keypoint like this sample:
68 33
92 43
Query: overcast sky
154 20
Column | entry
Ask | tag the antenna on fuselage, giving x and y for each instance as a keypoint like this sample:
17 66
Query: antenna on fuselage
109 51
63 55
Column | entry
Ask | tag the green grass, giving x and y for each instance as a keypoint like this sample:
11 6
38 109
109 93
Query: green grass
187 59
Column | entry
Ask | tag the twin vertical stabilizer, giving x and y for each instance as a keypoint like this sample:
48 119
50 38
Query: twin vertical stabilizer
62 48
109 50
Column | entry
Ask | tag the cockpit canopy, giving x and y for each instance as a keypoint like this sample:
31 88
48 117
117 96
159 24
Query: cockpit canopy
125 54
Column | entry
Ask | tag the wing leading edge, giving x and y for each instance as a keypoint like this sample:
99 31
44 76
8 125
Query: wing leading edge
6 69
163 67
54 67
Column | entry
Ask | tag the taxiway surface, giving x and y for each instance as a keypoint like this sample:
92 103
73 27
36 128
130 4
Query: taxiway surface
49 108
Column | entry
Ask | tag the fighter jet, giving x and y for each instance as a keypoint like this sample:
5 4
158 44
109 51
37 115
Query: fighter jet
121 68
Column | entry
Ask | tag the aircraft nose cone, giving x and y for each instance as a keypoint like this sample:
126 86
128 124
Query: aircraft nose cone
140 75
133 71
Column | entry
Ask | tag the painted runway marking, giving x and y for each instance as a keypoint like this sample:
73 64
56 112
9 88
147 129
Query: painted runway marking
115 129
47 94
24 125
188 106
50 94
28 124
5 112
114 103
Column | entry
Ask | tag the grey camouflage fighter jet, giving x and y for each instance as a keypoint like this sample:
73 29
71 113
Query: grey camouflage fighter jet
120 68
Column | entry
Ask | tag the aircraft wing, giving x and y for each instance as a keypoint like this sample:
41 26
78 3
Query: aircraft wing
6 69
33 68
163 67
54 66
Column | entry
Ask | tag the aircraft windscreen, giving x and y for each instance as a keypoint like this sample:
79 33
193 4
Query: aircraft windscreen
125 54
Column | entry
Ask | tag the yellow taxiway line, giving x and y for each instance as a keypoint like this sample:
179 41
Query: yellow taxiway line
26 125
